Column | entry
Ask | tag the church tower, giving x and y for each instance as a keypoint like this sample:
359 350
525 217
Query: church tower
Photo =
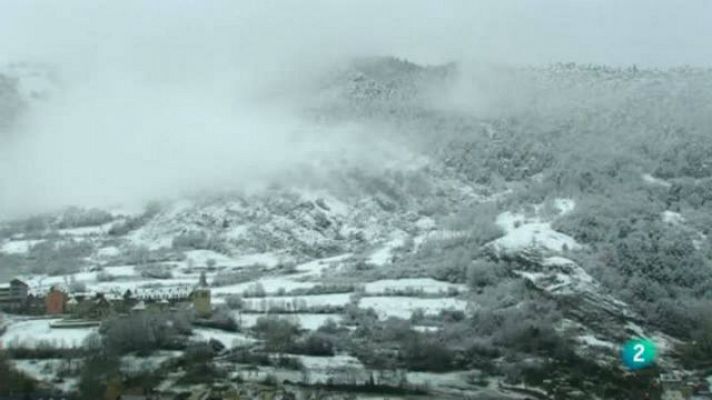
201 298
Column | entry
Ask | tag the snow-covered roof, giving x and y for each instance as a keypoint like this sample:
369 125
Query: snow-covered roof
141 306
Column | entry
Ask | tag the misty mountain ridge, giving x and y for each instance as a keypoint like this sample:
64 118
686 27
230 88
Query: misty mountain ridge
567 206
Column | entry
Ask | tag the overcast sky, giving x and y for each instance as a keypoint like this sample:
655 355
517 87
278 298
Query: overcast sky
644 32
158 96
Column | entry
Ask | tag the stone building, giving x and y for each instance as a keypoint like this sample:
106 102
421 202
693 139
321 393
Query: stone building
200 297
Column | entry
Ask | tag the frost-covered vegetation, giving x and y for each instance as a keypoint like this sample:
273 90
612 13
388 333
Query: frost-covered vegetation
518 237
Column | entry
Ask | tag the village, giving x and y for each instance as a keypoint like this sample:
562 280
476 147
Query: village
83 309
59 314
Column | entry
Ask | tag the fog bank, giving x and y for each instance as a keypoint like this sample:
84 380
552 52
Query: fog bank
156 98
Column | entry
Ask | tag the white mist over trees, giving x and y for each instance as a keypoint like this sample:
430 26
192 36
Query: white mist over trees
153 101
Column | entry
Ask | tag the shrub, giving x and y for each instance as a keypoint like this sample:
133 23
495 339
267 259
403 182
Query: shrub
222 318
315 344
124 227
76 218
197 240
97 370
235 302
104 276
58 258
485 273
225 278
426 354
279 334
144 332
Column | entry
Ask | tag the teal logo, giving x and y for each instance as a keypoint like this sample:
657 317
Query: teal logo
638 353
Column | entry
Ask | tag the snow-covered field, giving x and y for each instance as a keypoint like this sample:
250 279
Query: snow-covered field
296 303
201 258
47 370
412 285
18 246
316 267
271 286
384 254
229 339
522 231
315 363
404 307
32 333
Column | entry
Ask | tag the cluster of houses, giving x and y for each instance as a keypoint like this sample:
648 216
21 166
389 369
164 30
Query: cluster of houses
16 298
677 385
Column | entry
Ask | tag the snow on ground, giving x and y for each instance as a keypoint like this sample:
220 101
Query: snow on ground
87 230
436 235
592 341
229 339
384 254
201 257
123 278
564 206
46 370
327 369
309 321
133 364
443 379
560 276
270 286
316 363
124 271
411 285
672 217
425 223
425 328
315 267
31 333
39 369
333 205
237 232
537 234
522 232
648 178
403 307
18 246
296 303
108 252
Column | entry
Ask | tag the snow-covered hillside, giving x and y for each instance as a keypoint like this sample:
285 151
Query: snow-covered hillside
466 254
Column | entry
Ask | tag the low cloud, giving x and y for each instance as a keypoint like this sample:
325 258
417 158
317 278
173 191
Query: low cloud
156 98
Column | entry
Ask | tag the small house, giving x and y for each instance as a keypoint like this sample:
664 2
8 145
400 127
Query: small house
96 308
139 307
673 385
72 304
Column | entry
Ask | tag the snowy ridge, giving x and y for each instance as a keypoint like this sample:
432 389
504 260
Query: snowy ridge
525 233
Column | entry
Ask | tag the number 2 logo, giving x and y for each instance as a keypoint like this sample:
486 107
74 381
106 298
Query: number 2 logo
639 350
638 353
